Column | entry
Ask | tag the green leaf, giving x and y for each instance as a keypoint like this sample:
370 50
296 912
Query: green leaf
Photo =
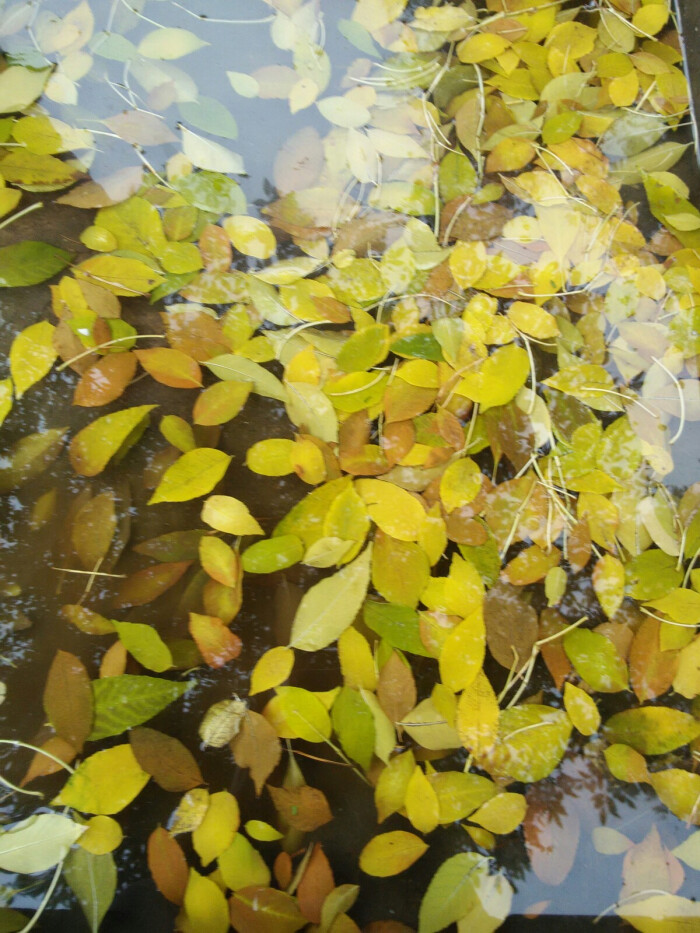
596 659
30 262
92 448
194 474
93 880
272 554
330 606
397 624
210 115
353 723
145 645
652 730
128 700
211 191
450 894
38 843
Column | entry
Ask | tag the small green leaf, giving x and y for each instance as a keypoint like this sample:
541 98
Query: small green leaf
30 262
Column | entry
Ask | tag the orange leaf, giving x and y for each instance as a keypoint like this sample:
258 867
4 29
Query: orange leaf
146 585
167 865
217 643
68 699
41 766
316 883
171 367
105 380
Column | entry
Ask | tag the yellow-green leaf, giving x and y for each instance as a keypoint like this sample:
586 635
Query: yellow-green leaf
106 782
92 448
193 474
391 853
32 355
271 669
581 709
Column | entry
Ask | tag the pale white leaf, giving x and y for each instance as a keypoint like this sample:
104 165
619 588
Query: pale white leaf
243 84
169 43
38 843
303 94
206 154
396 145
342 111
329 607
362 158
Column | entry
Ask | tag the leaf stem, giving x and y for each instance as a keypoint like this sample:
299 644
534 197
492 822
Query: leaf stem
22 213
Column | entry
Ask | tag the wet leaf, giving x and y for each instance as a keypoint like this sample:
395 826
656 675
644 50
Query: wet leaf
204 905
262 910
330 606
242 866
581 709
93 880
391 853
316 885
216 831
194 474
106 782
38 843
167 864
170 367
596 660
166 759
148 584
258 748
68 699
30 262
652 730
216 642
92 448
224 513
128 700
304 808
271 669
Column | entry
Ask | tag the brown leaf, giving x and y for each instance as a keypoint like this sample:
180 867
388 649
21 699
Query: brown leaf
511 625
257 746
651 669
146 585
41 766
283 869
140 128
578 545
171 765
556 659
105 381
316 883
68 699
464 221
168 865
105 191
304 808
396 688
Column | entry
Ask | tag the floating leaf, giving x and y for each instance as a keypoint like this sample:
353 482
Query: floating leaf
652 730
596 659
257 747
216 642
304 808
106 782
170 764
30 262
271 669
204 905
128 700
581 709
391 853
168 43
242 866
167 864
216 831
92 448
230 516
146 585
145 645
330 606
93 880
240 369
194 474
68 699
170 367
38 843
32 355
263 909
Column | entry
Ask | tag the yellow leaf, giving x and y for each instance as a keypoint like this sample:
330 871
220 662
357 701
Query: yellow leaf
581 709
651 18
31 356
481 47
229 515
460 483
396 511
250 236
271 457
477 716
390 792
533 320
422 808
463 652
509 155
356 661
119 275
103 835
92 448
609 583
687 679
501 814
298 714
219 561
220 824
271 669
205 908
391 853
467 263
104 783
499 379
193 474
242 866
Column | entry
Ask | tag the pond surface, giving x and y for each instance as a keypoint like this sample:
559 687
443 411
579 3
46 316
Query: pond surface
150 80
